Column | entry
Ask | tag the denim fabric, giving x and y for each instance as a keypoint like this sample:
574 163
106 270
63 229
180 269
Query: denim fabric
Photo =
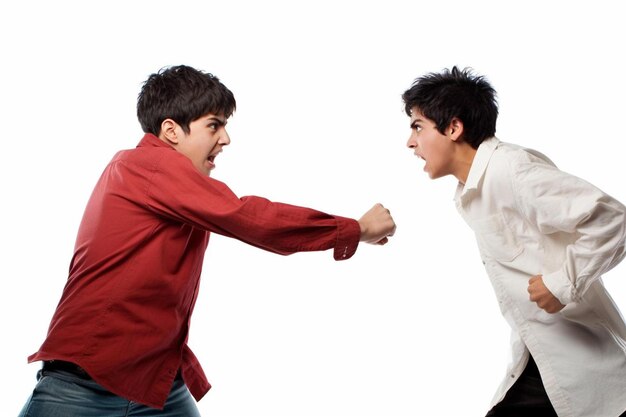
62 394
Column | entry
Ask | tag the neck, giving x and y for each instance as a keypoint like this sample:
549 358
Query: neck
464 160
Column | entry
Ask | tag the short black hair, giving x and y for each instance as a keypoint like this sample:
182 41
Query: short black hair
183 94
456 93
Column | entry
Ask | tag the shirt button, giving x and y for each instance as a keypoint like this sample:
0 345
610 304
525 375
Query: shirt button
512 376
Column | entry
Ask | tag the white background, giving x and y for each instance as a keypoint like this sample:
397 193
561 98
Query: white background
411 328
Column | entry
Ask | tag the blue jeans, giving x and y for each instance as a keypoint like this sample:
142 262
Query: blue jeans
62 394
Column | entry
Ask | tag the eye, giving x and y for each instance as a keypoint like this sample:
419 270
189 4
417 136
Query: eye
213 126
417 128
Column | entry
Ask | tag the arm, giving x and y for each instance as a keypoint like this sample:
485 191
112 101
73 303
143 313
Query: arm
191 198
555 201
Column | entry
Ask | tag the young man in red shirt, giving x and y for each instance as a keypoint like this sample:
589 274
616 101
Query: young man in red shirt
117 340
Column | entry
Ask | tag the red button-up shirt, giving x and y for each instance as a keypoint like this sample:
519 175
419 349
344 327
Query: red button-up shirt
133 280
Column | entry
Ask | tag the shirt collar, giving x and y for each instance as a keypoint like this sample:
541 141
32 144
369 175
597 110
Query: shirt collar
479 165
150 140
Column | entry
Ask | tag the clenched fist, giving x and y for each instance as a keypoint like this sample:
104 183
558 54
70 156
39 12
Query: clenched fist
377 225
541 295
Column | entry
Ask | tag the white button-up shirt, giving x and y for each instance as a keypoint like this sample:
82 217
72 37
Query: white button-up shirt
531 218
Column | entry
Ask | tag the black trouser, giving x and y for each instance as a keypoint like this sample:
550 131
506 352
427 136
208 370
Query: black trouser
527 397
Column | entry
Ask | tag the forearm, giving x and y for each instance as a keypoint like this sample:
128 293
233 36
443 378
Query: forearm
286 229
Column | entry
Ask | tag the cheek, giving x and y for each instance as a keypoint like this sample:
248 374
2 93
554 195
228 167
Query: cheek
433 156
426 147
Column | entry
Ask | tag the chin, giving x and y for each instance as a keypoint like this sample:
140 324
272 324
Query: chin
434 175
205 171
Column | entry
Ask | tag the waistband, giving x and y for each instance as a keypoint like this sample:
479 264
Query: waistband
56 365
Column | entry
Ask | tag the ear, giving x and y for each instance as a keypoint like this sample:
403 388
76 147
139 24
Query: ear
455 129
170 132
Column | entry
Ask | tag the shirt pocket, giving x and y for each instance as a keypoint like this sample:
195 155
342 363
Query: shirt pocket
496 238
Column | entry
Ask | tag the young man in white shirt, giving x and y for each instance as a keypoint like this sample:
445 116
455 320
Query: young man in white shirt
545 238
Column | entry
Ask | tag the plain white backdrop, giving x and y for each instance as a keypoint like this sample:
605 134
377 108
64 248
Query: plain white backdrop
411 328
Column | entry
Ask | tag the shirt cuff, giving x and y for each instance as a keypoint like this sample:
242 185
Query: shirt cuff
560 286
348 237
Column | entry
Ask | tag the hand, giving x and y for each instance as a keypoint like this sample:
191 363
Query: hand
541 295
377 225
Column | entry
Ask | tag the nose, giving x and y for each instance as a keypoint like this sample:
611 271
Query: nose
224 138
412 142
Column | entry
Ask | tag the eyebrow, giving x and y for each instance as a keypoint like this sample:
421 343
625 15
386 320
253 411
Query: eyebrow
415 122
216 119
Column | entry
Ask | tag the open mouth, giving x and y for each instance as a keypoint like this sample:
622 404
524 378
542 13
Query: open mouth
210 162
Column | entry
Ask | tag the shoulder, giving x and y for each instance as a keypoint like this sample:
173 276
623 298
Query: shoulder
154 158
517 159
531 174
512 167
518 154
